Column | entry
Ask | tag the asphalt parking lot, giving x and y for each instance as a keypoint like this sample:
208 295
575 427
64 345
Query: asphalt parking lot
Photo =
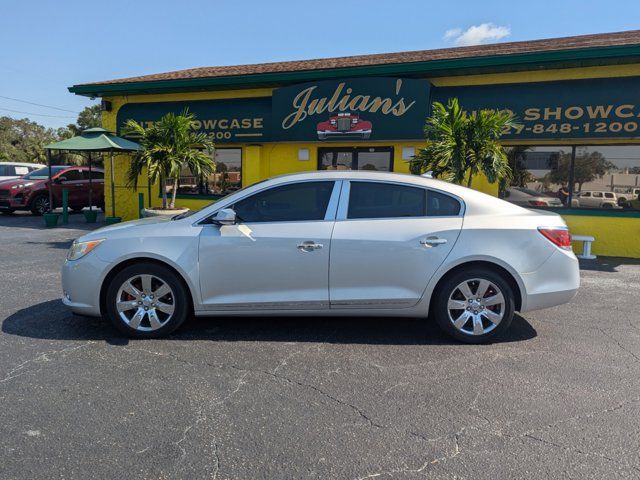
297 398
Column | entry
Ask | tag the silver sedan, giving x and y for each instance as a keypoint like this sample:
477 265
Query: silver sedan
329 243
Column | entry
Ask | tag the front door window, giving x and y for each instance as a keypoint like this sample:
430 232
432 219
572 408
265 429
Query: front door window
356 158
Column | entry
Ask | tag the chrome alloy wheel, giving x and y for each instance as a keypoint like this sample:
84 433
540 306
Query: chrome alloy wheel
41 204
145 302
476 306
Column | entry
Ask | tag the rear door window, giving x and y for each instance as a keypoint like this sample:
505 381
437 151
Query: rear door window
386 200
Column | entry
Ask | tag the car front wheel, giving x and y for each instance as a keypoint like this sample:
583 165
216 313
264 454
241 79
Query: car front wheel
146 300
40 205
474 305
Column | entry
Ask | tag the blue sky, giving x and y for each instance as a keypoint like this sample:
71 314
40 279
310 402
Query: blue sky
48 46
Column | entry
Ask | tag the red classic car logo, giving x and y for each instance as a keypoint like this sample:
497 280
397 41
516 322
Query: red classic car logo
344 125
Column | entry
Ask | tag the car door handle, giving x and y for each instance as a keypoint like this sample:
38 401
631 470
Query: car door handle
309 246
433 241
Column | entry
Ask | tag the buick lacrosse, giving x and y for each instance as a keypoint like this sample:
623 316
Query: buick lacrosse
338 243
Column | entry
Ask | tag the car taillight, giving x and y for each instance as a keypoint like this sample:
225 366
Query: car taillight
558 236
537 203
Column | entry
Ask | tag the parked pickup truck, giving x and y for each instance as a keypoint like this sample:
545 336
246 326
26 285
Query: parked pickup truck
31 192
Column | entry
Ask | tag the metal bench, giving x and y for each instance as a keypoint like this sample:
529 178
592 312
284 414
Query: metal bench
586 246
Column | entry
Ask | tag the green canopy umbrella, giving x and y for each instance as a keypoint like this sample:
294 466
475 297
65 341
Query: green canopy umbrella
93 140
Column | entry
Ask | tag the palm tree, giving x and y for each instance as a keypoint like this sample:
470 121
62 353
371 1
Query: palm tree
460 146
168 146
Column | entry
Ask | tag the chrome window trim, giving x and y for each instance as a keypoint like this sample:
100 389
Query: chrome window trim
334 200
344 201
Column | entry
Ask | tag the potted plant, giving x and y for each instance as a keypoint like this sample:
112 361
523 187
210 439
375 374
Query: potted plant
461 146
168 146
51 219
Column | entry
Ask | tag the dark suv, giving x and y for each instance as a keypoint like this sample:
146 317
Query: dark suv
31 192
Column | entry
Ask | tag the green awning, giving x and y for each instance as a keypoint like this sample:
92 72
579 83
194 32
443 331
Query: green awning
95 140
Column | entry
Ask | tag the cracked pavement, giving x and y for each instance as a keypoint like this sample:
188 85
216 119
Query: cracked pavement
282 398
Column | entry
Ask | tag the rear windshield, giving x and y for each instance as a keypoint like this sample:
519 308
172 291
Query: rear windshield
43 173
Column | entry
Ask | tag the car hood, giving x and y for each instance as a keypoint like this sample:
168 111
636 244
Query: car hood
19 181
122 228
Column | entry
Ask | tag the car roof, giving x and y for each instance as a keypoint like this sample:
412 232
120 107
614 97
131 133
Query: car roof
79 167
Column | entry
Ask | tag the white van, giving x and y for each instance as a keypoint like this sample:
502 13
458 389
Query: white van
11 170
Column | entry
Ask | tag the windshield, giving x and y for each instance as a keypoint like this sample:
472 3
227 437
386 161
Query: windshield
43 173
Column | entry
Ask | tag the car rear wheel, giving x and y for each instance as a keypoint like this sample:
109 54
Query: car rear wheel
40 205
474 305
147 300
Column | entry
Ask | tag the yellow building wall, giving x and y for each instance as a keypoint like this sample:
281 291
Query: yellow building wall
614 235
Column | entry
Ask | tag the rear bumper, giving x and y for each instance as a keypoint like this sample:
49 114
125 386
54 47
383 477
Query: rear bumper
556 282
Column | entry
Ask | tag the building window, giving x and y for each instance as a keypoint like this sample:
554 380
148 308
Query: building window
226 179
581 176
347 158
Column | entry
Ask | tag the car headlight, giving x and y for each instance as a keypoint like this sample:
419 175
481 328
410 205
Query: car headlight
80 249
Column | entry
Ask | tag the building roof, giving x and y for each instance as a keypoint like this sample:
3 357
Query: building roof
583 47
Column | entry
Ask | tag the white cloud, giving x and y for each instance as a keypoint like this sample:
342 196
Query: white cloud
452 33
477 34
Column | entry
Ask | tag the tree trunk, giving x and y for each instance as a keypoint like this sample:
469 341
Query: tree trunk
163 186
470 179
174 193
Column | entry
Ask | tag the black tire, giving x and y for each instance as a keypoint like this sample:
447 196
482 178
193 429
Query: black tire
180 297
447 288
40 205
76 209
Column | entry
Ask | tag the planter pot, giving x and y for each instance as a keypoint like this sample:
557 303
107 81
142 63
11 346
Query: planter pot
91 215
112 220
51 219
153 212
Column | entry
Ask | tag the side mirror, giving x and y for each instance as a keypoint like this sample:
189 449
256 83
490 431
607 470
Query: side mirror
60 179
226 216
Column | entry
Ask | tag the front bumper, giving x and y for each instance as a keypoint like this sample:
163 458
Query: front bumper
81 283
13 203
556 282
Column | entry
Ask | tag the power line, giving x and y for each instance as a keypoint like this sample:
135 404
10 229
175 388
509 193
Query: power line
38 114
38 104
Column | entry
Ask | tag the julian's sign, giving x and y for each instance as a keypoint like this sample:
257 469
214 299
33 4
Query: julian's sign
358 108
